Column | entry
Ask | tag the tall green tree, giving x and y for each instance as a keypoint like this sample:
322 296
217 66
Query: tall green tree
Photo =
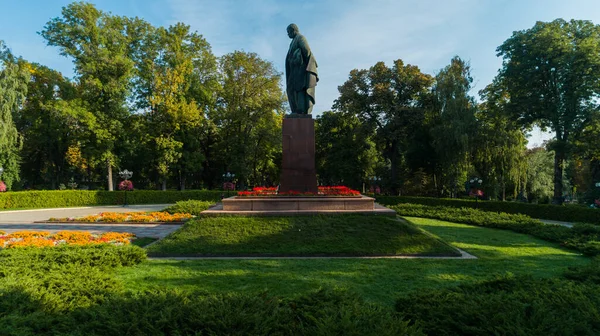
100 48
390 101
13 88
248 117
499 144
47 133
345 152
453 124
552 75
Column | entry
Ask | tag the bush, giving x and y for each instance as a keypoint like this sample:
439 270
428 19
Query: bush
569 213
102 255
582 237
171 312
507 306
589 273
192 207
69 198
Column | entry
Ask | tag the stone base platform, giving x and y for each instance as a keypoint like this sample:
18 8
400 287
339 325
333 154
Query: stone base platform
290 206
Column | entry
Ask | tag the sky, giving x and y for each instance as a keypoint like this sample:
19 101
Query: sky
343 34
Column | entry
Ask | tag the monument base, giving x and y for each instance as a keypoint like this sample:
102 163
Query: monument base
298 171
289 206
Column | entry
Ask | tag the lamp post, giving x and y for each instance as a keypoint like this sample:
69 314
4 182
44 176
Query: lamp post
475 183
125 175
375 180
228 179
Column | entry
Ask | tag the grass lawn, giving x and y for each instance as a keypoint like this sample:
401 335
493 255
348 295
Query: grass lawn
379 280
302 235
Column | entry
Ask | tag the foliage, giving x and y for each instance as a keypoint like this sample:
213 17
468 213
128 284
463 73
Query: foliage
540 175
70 198
582 237
389 102
506 305
498 152
300 235
13 88
543 211
248 117
552 75
453 124
345 151
192 207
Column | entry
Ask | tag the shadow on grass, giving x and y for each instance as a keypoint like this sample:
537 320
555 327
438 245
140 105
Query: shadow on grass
299 236
499 251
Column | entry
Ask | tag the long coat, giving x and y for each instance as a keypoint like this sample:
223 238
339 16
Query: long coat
301 67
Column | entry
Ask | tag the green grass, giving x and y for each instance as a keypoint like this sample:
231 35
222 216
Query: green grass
377 280
300 235
143 241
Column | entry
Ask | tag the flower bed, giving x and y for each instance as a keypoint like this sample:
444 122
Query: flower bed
323 191
46 239
128 217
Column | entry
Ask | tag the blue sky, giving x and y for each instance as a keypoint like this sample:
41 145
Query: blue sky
344 34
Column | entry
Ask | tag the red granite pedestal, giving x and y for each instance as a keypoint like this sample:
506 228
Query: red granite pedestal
298 167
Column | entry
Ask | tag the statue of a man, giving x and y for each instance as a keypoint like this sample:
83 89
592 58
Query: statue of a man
300 72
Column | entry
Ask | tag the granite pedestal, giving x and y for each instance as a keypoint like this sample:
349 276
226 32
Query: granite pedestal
298 160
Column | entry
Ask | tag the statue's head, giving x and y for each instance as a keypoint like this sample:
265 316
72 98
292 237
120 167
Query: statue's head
292 30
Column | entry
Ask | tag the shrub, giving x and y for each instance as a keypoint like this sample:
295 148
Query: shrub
68 198
171 312
507 306
192 207
102 255
570 213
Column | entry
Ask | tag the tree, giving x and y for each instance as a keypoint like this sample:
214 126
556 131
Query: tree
13 88
100 48
552 75
248 117
453 123
389 101
499 146
539 175
46 130
345 152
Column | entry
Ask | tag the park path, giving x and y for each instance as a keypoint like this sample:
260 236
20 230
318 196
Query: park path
546 221
19 220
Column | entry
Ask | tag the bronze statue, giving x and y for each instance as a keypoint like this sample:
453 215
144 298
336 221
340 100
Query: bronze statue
300 72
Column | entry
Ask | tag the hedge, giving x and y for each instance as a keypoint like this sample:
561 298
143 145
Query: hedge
541 211
70 198
507 305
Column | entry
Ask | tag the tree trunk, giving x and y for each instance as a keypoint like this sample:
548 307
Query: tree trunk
110 177
394 168
559 159
164 184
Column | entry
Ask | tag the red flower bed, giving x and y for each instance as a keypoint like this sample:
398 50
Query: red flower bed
323 191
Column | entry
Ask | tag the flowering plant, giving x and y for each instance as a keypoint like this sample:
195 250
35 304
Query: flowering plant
126 185
128 217
476 192
2 186
45 239
323 191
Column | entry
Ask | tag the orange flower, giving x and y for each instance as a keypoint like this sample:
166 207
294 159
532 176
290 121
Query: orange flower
28 234
30 241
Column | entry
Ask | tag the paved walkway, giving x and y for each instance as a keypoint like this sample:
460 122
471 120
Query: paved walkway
546 221
19 220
